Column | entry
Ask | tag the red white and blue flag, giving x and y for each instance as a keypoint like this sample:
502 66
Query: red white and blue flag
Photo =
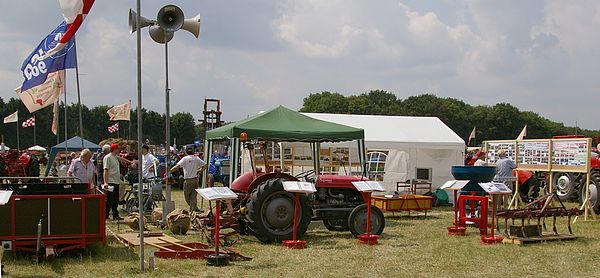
29 122
113 128
74 12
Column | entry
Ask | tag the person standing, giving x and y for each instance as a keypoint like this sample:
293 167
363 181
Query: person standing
480 159
504 171
99 164
191 165
112 179
148 163
83 169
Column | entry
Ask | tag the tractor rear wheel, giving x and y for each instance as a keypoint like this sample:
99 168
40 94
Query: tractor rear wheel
530 190
594 184
358 220
338 225
270 213
566 185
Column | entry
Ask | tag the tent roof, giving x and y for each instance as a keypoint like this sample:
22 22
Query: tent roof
75 144
396 128
37 148
286 125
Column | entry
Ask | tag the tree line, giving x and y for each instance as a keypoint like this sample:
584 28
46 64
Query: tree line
95 125
498 122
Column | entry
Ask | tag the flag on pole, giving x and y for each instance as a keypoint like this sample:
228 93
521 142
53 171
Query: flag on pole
12 118
55 118
113 128
472 135
45 94
29 122
523 133
120 112
74 12
35 70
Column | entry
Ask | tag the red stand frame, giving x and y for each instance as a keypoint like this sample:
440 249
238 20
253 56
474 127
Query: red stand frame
217 227
294 243
368 238
492 239
456 229
482 219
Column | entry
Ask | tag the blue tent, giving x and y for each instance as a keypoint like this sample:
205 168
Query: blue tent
71 145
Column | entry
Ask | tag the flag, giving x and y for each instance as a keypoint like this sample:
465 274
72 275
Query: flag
35 70
120 112
74 12
44 94
29 122
523 133
55 118
113 128
12 118
472 135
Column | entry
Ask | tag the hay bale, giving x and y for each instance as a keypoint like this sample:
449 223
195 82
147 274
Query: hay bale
157 214
179 221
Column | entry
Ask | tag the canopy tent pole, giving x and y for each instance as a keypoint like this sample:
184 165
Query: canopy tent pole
316 150
233 158
361 157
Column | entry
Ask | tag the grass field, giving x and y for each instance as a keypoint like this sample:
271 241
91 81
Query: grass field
409 247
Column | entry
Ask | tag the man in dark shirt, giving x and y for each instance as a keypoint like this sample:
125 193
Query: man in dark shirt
98 163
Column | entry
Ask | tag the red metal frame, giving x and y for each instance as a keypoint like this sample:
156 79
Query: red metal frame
64 242
368 238
295 243
482 219
456 229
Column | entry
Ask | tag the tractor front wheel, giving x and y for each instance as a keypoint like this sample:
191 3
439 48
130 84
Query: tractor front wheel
270 213
358 220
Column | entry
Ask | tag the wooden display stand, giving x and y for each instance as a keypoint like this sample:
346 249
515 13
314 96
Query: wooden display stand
217 194
297 187
366 188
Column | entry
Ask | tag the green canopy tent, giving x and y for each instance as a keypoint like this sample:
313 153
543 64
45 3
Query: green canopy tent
283 125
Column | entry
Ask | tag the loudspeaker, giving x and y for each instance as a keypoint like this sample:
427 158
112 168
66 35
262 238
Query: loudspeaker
143 21
159 35
192 25
170 18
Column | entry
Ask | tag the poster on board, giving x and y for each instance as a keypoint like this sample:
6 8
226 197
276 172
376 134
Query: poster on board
567 154
534 154
493 147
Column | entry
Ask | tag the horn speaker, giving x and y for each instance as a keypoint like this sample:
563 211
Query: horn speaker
144 22
160 35
192 25
170 18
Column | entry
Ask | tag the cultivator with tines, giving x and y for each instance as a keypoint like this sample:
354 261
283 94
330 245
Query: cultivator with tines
538 210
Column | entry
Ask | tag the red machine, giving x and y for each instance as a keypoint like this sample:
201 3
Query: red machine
269 209
18 164
49 218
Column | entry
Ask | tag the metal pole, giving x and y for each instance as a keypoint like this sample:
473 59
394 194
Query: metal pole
167 130
139 131
34 141
18 143
78 98
66 135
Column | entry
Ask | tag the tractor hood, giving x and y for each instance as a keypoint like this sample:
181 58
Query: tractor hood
337 181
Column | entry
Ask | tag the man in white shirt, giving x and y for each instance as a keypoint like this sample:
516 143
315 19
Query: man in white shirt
191 165
149 162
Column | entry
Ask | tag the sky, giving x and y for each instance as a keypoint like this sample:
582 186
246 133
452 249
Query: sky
540 56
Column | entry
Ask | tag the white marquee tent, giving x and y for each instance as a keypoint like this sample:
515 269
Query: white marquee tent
415 147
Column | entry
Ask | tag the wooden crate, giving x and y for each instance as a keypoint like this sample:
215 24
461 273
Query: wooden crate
405 202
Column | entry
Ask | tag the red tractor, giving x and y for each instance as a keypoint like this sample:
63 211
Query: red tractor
269 209
18 164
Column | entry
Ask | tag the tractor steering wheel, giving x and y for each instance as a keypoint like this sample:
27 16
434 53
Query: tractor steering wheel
304 175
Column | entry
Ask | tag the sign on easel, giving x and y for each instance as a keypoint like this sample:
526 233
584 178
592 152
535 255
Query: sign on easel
217 193
5 197
454 184
368 186
299 186
495 188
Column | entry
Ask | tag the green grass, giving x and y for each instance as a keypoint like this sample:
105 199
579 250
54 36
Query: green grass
409 247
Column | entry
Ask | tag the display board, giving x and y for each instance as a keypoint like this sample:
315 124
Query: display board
216 193
454 184
493 147
571 154
368 186
533 155
299 186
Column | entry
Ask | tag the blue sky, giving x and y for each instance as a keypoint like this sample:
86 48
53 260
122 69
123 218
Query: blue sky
540 56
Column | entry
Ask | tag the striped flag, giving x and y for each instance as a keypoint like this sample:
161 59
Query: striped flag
29 122
74 12
113 128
